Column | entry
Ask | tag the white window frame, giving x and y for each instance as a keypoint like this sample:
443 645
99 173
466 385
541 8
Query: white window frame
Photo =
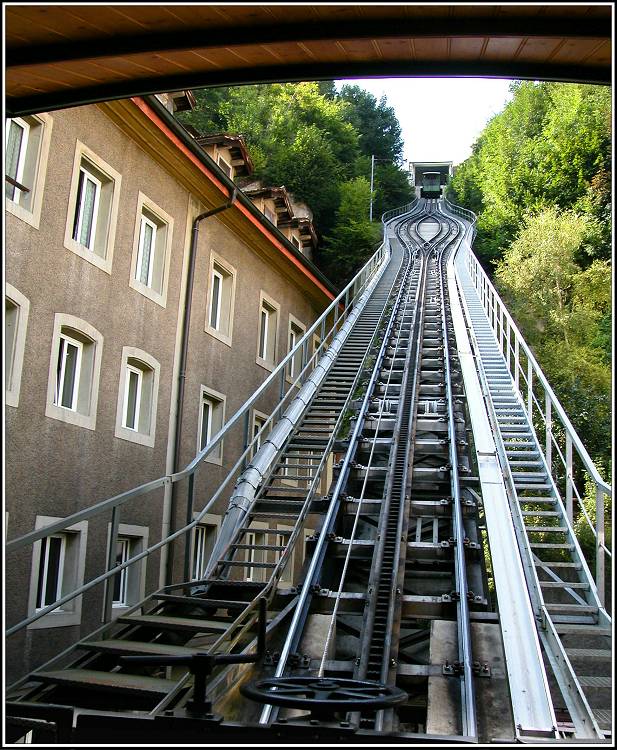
225 166
80 207
71 578
270 307
227 275
43 584
82 417
32 214
208 522
210 395
135 574
21 160
65 342
294 323
83 157
217 317
140 376
122 576
150 371
257 415
286 579
146 222
148 211
15 358
250 556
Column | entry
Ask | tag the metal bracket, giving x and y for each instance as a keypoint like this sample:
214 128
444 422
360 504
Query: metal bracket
299 661
454 668
481 669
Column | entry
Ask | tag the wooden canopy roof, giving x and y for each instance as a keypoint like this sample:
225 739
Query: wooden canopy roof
64 55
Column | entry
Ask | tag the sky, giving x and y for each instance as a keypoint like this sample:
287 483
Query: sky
440 118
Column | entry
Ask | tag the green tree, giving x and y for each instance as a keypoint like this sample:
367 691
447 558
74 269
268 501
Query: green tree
353 237
379 128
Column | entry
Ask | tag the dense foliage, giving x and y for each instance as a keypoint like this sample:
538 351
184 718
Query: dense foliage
318 143
539 179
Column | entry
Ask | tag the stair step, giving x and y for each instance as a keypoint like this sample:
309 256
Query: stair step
554 529
597 654
563 585
604 717
578 608
569 628
174 623
117 681
210 603
118 646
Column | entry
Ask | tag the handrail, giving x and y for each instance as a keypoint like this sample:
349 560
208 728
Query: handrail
346 298
513 346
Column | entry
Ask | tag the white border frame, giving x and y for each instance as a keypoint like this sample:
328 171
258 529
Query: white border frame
82 151
58 619
263 297
125 433
32 216
11 393
226 338
88 421
211 394
144 202
298 324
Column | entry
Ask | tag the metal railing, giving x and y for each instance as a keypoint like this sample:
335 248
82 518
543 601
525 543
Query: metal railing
566 457
273 395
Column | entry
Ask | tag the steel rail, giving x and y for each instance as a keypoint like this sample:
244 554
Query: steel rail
350 540
470 727
301 610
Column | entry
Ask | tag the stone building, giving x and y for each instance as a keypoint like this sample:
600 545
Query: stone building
100 208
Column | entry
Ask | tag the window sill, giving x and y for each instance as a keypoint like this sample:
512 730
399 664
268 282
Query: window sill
29 217
223 338
265 364
57 620
149 293
134 437
70 417
88 255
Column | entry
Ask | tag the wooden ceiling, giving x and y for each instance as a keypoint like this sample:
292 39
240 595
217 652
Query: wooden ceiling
64 55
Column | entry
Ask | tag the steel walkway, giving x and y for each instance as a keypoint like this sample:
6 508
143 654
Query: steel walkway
575 629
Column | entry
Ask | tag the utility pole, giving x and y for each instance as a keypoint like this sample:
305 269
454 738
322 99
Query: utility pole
370 213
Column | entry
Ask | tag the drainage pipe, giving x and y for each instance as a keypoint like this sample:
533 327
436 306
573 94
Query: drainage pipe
188 300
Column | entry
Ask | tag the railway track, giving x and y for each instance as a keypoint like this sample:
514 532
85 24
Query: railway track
393 569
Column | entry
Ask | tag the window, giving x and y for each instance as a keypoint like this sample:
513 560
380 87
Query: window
51 567
74 372
267 332
296 331
270 215
204 537
129 584
225 166
93 208
27 149
151 251
137 397
295 241
211 420
58 564
16 311
254 555
316 352
259 421
221 299
281 540
67 372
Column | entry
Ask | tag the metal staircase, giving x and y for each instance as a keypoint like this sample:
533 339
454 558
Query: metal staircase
575 629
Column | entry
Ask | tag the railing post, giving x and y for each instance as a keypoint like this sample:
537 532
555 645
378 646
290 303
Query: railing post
508 343
530 391
190 496
516 362
304 361
108 596
549 433
501 333
569 478
282 390
600 544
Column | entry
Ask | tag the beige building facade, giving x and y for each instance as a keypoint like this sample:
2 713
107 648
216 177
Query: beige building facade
100 208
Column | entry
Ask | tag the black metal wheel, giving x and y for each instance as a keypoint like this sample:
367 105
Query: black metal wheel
330 693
